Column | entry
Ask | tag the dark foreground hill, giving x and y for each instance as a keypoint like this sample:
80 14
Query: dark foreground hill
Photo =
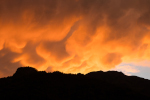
29 84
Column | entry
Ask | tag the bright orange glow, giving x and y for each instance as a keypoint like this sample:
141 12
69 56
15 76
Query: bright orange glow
73 35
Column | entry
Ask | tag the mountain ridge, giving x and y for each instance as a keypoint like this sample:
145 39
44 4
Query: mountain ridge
28 83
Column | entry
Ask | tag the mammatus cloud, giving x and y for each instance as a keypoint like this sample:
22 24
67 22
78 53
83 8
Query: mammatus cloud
73 35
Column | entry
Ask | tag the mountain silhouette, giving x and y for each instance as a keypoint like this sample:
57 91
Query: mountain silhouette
29 84
24 71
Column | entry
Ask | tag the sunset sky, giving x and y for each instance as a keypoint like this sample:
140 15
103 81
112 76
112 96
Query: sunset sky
75 36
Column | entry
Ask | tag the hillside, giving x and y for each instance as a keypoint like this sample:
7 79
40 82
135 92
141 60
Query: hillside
29 84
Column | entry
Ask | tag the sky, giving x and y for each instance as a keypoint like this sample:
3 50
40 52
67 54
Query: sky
75 36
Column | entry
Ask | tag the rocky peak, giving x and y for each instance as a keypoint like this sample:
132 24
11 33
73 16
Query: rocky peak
23 71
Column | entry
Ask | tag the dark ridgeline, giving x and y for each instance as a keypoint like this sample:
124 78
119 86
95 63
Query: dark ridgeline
29 84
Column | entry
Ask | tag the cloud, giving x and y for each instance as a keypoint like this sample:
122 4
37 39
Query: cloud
111 59
144 63
73 35
127 69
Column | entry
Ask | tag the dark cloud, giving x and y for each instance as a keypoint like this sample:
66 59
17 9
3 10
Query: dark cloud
7 66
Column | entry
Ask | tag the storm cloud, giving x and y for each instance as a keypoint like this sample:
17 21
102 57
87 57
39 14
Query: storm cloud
73 35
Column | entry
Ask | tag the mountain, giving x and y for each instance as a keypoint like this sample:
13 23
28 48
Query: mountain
29 84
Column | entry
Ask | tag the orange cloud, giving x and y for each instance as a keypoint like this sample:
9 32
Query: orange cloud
73 35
